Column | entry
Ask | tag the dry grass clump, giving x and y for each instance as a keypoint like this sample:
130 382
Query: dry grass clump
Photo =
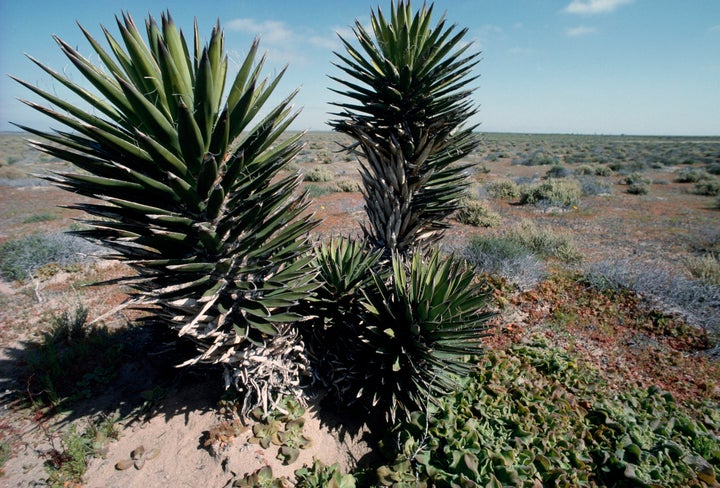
478 214
503 257
545 241
705 268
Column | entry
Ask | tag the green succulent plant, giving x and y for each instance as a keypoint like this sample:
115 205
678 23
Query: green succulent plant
344 270
408 106
320 475
419 328
185 180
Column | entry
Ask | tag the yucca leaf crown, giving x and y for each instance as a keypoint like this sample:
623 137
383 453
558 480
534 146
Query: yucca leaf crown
187 184
408 85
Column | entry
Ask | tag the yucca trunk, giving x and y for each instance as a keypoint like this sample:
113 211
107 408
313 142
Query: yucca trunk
189 192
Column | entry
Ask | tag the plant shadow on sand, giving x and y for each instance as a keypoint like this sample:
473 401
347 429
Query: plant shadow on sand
85 371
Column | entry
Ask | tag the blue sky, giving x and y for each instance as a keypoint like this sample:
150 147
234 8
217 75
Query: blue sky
552 66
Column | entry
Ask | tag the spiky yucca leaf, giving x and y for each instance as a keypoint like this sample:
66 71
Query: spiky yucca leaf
186 183
419 327
409 101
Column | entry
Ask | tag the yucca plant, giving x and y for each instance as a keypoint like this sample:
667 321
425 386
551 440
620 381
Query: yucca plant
189 193
409 103
420 327
344 273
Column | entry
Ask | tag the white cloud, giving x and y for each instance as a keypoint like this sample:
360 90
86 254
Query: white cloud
594 6
581 30
715 28
270 31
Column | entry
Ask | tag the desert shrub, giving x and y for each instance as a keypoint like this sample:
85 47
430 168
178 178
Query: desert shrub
318 175
347 185
584 170
505 189
705 268
698 303
21 258
593 186
320 475
692 176
635 178
557 172
713 169
545 242
638 188
564 193
538 158
603 170
39 217
67 467
709 187
478 214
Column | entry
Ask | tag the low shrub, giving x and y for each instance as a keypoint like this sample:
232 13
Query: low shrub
315 190
40 217
713 169
318 175
698 303
584 170
564 193
537 158
72 361
638 188
478 214
557 172
708 187
692 176
594 186
67 467
21 258
504 189
603 170
347 185
635 178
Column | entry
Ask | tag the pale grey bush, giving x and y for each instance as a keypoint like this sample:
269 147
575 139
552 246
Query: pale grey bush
696 302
